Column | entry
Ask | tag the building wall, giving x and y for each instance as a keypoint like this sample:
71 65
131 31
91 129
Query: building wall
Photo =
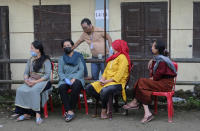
22 28
181 34
21 24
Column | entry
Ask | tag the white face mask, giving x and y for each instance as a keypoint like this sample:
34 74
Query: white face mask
111 51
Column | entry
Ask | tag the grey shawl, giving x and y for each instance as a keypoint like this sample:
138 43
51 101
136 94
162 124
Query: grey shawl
160 58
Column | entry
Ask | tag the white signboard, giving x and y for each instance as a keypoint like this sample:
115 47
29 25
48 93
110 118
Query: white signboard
99 14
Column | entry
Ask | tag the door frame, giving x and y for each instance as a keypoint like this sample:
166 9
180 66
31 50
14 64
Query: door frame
5 40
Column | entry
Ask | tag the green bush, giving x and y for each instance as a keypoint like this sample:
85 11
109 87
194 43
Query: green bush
192 103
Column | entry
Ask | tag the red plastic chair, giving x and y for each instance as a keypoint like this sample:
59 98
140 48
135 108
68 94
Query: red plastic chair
169 98
79 103
50 98
46 107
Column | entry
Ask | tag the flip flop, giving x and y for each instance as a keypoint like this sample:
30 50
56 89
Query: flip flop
106 117
65 114
22 118
127 107
69 117
95 115
14 116
149 118
39 120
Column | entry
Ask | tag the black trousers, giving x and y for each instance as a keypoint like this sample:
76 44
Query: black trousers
70 100
105 93
21 111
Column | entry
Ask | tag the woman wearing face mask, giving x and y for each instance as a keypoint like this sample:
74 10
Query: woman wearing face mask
71 76
114 78
36 78
162 73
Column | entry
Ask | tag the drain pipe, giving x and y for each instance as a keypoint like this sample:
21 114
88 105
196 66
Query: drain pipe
169 28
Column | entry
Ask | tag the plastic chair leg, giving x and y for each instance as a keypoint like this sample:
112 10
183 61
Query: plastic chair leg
45 110
85 100
51 103
156 105
79 103
170 106
63 110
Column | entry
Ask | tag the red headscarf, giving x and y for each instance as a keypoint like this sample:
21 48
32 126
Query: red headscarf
122 48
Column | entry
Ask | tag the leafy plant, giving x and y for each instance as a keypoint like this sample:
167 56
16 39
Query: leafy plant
192 103
85 55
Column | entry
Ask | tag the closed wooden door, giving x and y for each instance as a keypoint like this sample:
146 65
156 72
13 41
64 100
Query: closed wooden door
143 22
52 24
196 30
4 46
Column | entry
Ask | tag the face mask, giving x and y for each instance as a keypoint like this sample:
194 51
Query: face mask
111 52
68 50
33 54
151 51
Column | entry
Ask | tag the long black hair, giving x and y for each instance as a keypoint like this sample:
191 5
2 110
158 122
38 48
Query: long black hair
160 46
38 63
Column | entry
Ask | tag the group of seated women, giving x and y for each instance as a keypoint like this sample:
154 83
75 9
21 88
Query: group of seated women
71 76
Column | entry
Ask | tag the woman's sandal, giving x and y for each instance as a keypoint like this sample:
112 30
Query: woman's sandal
14 116
128 107
95 115
69 117
22 117
65 114
39 120
147 119
104 117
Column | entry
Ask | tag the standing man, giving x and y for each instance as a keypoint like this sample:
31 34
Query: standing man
94 36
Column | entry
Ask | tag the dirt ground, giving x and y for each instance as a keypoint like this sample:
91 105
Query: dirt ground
183 121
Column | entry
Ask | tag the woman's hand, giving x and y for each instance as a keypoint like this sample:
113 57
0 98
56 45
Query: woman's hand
27 82
151 78
72 80
32 82
103 82
150 64
102 79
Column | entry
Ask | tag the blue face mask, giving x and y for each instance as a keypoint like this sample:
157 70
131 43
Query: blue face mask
33 54
151 51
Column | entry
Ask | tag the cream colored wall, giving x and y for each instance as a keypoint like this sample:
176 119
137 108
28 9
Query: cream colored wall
21 20
182 24
181 18
22 27
182 37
